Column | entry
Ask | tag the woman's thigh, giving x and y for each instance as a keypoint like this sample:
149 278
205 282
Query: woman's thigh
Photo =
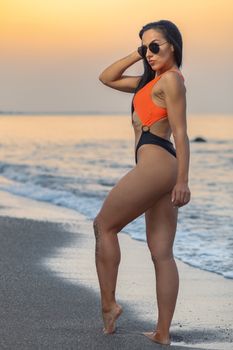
161 223
137 191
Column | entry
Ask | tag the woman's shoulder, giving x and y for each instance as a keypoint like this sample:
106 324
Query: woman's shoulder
172 74
173 80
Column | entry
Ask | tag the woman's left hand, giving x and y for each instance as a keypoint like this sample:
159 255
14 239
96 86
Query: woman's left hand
180 194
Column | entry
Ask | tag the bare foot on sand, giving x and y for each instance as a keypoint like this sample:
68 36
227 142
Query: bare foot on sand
157 337
110 317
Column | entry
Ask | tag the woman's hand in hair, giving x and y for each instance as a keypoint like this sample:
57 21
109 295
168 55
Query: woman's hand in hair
139 51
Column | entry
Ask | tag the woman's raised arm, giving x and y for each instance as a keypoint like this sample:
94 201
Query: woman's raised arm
112 75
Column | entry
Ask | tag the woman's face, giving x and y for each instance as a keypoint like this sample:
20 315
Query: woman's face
165 55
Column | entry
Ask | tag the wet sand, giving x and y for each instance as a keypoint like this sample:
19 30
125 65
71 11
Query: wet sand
40 309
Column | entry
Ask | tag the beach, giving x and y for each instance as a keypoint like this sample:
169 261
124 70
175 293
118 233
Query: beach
50 297
53 180
78 89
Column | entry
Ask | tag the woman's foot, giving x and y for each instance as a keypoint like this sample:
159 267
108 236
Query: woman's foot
109 317
158 337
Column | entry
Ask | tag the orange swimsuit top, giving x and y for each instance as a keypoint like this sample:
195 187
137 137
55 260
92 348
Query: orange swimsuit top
146 109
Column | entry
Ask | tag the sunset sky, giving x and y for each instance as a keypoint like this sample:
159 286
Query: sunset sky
52 52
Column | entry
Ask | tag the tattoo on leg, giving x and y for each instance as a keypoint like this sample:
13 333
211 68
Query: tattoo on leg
97 237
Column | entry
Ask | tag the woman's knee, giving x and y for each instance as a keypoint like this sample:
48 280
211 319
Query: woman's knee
161 253
101 226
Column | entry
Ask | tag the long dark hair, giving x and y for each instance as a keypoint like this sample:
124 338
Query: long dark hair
173 36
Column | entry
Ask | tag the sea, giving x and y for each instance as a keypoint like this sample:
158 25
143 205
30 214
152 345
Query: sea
73 161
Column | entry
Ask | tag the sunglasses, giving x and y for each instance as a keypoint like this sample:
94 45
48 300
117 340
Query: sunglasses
154 48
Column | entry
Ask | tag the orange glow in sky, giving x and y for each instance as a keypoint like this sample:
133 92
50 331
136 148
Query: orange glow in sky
80 27
52 51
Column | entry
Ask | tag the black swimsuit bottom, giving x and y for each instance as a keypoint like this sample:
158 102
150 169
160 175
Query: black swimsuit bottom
148 138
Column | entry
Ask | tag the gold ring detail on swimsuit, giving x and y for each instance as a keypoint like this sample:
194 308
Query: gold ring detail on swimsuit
145 128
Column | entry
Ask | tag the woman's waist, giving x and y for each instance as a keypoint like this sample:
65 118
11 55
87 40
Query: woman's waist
152 133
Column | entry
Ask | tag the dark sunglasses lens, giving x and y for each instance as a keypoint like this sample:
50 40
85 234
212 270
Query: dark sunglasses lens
154 47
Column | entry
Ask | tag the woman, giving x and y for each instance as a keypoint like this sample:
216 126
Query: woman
158 184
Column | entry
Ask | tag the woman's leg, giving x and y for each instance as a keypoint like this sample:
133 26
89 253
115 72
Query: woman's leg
161 223
107 258
137 191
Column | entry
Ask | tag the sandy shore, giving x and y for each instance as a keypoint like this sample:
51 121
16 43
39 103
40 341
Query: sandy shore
49 289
